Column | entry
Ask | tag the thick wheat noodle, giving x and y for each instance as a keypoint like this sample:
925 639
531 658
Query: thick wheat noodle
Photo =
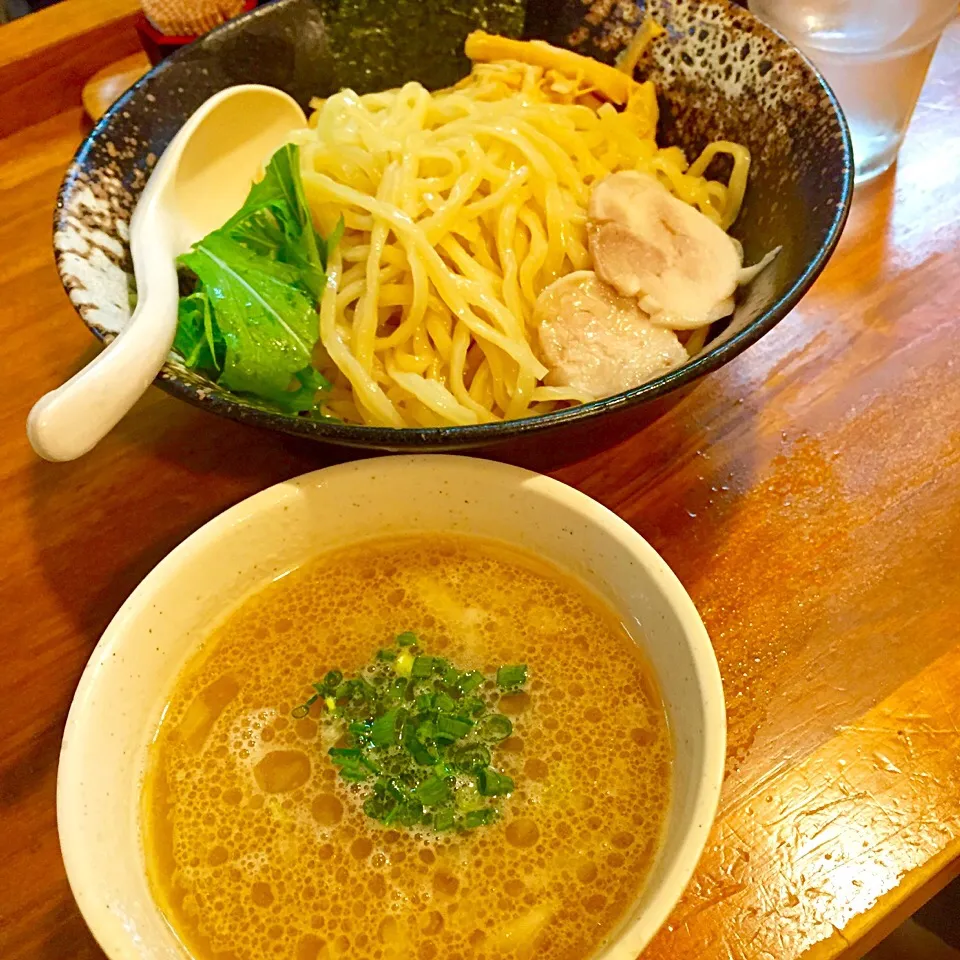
443 280
696 340
458 361
459 207
738 175
480 387
363 383
365 315
506 231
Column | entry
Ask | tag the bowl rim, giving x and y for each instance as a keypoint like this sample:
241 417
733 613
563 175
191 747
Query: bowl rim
472 435
81 868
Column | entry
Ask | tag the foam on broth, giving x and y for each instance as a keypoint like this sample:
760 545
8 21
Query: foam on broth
255 848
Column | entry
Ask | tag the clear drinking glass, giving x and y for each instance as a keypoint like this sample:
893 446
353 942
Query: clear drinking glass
874 54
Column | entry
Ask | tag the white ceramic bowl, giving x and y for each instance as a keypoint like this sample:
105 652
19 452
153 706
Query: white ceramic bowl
132 670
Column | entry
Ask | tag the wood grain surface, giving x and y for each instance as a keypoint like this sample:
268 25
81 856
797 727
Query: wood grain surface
47 57
808 496
105 86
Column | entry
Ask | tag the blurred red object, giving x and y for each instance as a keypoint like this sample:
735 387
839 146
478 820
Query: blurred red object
158 45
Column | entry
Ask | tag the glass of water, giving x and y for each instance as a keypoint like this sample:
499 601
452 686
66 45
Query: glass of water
874 54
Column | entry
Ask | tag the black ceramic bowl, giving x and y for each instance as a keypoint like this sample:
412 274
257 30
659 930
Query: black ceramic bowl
720 75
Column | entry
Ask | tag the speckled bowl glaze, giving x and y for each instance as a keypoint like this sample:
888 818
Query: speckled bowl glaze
134 667
720 73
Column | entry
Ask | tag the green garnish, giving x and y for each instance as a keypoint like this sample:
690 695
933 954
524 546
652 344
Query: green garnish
512 677
251 321
494 728
453 727
493 784
353 764
386 729
472 756
418 737
423 666
433 792
477 818
469 682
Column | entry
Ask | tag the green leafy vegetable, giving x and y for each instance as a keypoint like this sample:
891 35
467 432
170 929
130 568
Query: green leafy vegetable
418 734
267 321
197 340
275 221
252 319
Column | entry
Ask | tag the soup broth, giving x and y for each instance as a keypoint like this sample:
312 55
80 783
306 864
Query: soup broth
256 849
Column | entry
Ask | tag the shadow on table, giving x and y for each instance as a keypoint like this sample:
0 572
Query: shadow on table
101 523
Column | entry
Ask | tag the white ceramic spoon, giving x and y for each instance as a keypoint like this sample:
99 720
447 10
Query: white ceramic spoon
200 181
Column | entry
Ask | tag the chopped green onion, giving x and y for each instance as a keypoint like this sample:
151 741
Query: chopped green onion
433 792
511 677
455 727
472 705
426 730
386 729
469 682
470 756
415 746
494 728
479 818
444 702
353 765
422 667
410 813
493 784
417 736
382 802
360 729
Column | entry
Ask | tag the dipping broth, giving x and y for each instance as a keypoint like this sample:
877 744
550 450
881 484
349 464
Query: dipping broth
257 848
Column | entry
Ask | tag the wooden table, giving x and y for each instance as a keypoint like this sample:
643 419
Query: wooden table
808 495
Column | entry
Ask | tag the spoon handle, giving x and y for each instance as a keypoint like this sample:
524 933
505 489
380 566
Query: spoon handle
69 421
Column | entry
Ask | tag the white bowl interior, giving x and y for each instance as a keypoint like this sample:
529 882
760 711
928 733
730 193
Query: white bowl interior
132 670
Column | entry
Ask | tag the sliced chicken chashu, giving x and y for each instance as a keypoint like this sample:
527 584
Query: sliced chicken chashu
679 265
597 342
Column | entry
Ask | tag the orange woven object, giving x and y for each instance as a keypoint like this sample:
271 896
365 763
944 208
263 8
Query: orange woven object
189 18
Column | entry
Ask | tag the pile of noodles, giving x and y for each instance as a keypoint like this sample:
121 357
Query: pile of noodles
460 206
